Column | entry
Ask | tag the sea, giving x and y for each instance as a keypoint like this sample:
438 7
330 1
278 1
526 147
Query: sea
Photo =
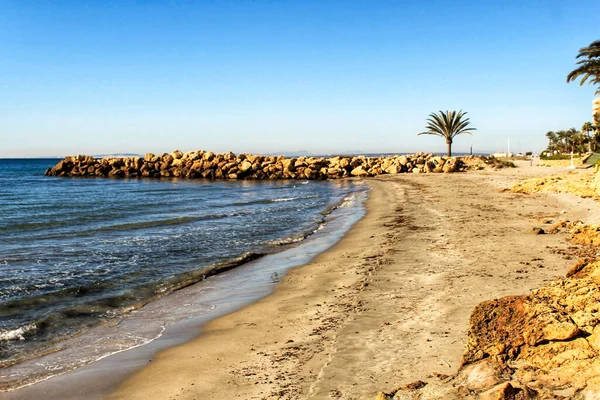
81 255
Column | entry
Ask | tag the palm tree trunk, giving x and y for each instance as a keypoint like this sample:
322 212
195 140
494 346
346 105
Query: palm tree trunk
449 143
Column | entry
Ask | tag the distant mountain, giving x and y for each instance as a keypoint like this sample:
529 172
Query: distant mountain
117 155
298 153
351 153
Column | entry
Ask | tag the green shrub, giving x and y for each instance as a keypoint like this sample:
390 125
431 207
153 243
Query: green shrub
556 157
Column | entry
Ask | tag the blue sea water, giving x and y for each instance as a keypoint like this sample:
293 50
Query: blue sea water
75 252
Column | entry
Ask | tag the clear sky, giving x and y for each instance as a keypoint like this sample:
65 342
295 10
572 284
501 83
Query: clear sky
265 76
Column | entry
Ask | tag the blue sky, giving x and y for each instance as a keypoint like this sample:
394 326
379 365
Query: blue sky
265 76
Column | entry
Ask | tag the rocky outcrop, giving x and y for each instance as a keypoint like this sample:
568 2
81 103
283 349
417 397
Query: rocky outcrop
580 183
545 345
208 165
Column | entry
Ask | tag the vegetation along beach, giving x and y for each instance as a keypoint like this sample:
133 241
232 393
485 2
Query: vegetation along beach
299 200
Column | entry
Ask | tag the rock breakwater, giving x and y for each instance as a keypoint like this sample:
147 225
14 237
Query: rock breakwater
208 165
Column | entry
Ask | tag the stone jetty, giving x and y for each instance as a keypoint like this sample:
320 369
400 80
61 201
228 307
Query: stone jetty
208 165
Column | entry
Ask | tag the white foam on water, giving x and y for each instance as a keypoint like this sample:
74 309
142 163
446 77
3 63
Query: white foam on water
287 240
285 199
64 369
16 334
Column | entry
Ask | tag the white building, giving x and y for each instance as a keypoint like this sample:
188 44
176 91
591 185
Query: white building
501 154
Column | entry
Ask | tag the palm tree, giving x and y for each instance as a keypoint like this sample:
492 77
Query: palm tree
553 142
588 67
572 137
448 125
578 141
563 140
586 128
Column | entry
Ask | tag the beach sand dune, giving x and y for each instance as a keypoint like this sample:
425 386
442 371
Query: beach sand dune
389 304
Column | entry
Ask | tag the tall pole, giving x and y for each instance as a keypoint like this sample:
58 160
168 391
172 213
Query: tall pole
572 166
596 116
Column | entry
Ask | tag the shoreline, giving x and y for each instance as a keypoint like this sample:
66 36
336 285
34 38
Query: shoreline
226 292
33 329
387 304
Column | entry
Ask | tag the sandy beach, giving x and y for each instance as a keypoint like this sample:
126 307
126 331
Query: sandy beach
299 200
389 304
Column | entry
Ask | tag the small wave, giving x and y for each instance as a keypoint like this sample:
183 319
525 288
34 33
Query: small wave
287 240
61 370
348 200
320 227
271 201
125 226
185 279
286 199
93 300
162 222
16 334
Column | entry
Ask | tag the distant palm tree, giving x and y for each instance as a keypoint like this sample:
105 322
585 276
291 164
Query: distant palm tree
574 141
448 125
586 128
578 141
552 141
588 65
563 140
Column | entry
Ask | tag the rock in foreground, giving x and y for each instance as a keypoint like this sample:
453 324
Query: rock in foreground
544 345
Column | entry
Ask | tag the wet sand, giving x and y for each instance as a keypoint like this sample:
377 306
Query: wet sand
387 305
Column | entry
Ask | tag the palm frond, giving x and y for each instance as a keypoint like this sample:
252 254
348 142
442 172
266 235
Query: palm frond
593 50
588 65
447 124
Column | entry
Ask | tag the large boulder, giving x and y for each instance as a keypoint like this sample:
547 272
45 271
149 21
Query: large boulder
245 166
62 166
355 162
359 171
393 169
116 173
310 173
167 159
289 164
